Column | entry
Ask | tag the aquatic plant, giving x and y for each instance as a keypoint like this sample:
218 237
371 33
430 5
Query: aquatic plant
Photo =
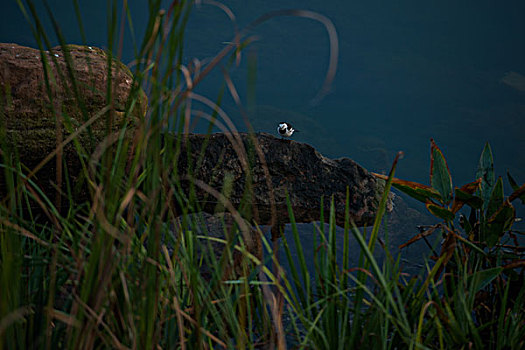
481 263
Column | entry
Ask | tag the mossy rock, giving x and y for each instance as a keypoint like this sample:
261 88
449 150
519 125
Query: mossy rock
40 108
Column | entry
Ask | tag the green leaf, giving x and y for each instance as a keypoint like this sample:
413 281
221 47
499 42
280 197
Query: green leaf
486 173
465 224
512 182
499 223
519 193
440 178
496 198
414 189
481 279
516 188
440 212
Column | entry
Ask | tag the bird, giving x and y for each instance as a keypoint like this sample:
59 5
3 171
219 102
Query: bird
285 129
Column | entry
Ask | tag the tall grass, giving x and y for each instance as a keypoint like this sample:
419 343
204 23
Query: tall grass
131 267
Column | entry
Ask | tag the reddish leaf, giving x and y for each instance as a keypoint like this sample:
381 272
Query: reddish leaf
464 195
515 264
519 193
471 187
419 236
414 189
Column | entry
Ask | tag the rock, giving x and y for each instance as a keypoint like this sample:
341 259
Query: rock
293 167
217 227
26 112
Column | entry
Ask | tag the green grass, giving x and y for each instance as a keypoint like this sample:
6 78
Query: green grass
130 268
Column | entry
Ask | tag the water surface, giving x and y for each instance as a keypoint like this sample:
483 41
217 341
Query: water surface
408 71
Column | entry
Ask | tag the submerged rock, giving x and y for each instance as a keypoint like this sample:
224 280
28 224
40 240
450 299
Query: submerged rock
213 233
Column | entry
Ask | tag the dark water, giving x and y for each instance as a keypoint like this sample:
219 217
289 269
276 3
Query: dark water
407 71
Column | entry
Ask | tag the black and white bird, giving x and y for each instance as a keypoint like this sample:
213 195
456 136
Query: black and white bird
285 129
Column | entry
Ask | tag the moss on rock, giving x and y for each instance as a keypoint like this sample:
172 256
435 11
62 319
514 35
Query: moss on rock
41 94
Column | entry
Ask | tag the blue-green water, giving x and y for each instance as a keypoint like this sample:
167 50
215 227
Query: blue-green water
407 71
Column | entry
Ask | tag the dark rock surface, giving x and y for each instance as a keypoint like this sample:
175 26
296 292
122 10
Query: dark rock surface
28 116
292 167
